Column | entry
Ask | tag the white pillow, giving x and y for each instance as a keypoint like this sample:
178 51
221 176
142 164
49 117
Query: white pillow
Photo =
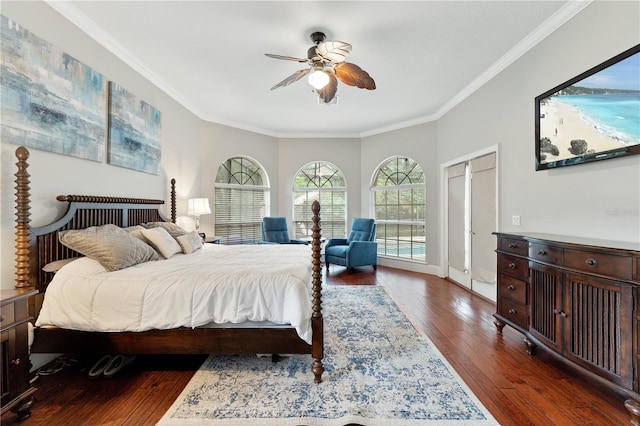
138 234
164 243
190 242
56 265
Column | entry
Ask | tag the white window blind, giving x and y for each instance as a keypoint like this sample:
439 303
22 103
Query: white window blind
241 201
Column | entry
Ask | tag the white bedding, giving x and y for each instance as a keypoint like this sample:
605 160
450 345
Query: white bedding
221 284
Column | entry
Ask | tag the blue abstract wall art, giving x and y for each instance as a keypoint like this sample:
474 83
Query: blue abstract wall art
135 128
49 100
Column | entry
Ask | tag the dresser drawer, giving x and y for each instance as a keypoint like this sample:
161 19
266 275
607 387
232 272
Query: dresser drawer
513 246
515 312
546 253
7 315
609 265
512 288
513 266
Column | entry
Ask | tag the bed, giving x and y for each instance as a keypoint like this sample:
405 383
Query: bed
296 328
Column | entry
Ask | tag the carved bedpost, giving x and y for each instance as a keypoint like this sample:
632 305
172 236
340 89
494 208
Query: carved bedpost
22 219
317 350
634 410
173 200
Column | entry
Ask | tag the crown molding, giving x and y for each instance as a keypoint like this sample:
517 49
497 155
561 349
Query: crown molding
561 17
87 25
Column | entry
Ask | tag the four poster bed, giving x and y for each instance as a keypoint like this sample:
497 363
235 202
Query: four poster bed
136 325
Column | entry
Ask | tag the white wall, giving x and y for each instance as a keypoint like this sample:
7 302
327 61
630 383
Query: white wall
420 144
220 143
344 153
597 200
55 174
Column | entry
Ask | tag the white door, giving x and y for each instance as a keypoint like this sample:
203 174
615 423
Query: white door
472 217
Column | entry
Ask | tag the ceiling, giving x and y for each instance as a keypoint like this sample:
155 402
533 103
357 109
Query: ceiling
425 56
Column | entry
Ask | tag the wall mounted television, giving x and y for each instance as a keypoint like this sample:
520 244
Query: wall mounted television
594 116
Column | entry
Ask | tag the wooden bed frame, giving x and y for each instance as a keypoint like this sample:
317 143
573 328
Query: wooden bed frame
35 247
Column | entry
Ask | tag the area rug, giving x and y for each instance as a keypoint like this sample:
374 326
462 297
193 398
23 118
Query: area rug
379 370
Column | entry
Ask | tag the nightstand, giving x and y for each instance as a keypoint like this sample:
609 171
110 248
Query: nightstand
14 352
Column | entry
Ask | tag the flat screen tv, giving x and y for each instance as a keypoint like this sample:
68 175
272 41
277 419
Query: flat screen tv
594 116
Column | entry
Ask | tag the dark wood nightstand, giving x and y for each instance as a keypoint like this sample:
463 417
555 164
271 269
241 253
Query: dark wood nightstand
14 352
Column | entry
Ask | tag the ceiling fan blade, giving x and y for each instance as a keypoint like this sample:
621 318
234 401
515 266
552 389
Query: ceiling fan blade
288 58
353 75
292 78
333 51
329 91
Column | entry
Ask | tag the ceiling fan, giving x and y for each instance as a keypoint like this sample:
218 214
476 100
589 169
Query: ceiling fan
327 65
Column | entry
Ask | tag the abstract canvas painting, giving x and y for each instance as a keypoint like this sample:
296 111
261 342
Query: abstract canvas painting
49 100
134 132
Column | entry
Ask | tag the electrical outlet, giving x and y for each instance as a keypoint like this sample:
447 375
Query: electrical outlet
515 220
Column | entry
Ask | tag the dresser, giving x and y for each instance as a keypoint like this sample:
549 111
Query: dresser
14 352
577 298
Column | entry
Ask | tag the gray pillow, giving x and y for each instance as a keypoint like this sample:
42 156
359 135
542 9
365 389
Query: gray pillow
173 229
110 245
190 242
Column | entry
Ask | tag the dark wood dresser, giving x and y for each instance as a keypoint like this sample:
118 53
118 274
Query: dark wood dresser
578 298
14 352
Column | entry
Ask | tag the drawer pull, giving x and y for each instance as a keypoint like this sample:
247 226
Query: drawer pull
542 253
512 245
512 311
559 312
511 287
512 266
15 361
591 262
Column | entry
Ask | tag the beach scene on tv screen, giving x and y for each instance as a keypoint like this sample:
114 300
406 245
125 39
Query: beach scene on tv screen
597 114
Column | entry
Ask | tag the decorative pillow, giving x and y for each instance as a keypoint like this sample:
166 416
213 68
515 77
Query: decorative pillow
139 235
190 242
173 229
164 243
55 266
110 245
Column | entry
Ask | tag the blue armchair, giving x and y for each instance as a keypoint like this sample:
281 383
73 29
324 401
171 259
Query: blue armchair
360 249
275 231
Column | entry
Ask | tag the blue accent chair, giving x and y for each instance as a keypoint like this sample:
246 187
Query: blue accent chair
360 249
275 231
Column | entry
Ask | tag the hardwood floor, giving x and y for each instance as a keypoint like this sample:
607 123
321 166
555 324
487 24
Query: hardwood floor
517 388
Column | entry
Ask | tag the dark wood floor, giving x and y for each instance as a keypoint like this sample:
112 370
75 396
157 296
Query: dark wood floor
517 388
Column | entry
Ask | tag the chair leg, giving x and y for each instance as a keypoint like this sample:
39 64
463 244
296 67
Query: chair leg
375 267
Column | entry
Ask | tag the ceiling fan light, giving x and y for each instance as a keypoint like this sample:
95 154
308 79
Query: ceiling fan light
318 79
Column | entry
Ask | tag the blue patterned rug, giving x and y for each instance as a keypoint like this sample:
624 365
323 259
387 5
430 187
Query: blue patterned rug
379 371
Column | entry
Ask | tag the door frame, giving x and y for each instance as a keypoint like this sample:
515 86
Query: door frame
444 190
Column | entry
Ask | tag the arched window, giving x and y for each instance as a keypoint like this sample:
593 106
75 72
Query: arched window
241 200
324 182
399 195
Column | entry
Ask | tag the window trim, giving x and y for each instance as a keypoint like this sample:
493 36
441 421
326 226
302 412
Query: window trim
403 222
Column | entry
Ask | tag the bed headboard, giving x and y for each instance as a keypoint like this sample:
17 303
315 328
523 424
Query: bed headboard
36 247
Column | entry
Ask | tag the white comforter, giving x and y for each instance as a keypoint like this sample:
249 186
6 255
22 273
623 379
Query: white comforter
221 284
